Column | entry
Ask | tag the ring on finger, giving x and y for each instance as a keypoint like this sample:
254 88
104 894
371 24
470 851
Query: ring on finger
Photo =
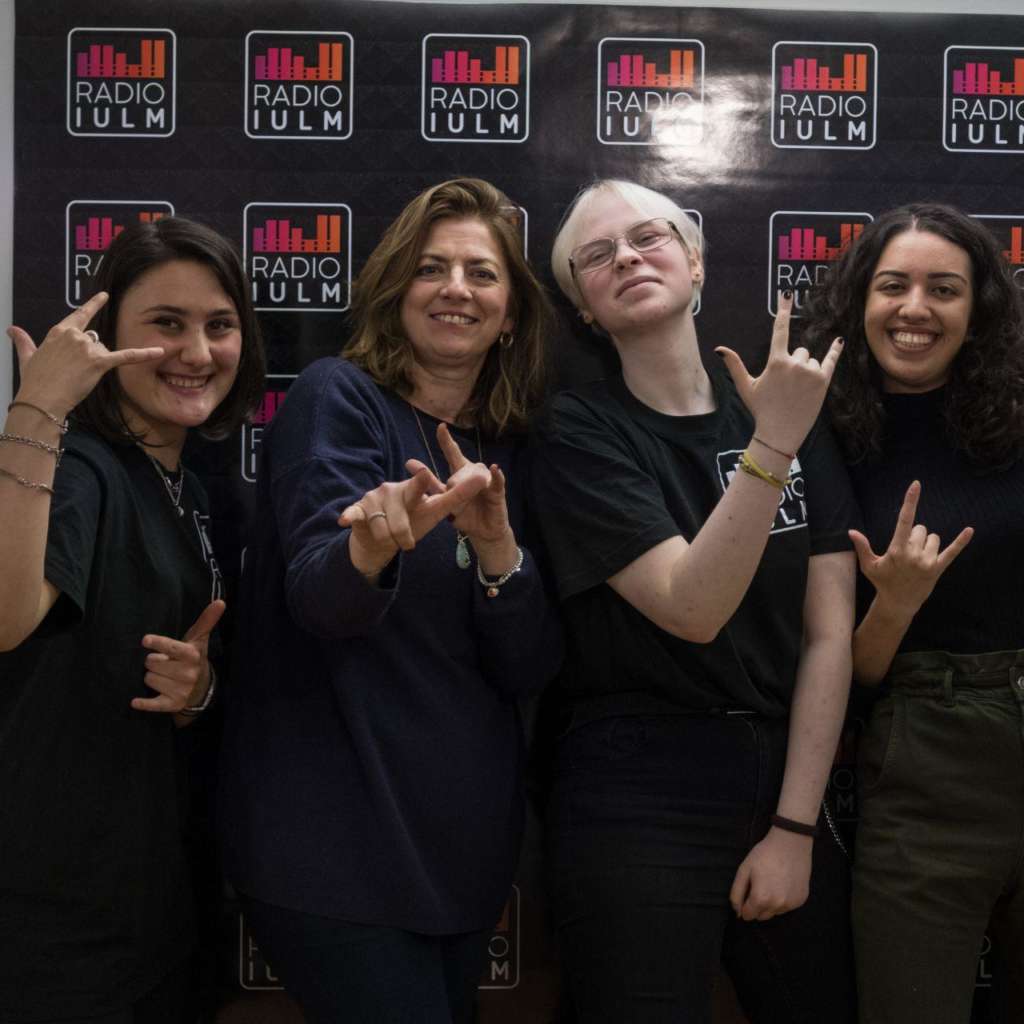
373 515
92 336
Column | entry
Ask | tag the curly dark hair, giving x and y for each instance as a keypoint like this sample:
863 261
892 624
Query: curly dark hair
984 401
510 385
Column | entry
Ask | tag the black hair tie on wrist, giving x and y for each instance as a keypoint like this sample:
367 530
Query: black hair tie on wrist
789 825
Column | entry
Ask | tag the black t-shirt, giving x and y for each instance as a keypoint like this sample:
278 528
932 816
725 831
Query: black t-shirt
978 603
95 903
613 478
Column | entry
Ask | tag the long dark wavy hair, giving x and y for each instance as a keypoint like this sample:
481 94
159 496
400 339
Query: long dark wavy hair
510 385
984 398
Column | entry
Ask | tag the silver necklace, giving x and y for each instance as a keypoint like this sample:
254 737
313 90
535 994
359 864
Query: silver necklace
462 559
174 488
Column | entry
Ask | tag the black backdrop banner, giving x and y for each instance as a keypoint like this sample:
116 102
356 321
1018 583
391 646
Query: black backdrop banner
300 130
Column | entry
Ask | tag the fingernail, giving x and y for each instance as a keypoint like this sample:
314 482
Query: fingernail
719 353
787 294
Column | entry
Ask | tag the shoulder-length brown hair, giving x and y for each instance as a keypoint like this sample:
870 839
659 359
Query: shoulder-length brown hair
510 384
138 248
984 396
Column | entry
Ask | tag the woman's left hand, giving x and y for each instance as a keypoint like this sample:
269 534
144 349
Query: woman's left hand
178 669
773 878
484 518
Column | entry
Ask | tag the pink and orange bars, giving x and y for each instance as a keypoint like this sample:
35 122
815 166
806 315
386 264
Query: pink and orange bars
98 232
456 67
804 244
280 236
101 61
1015 254
975 79
271 403
278 64
632 69
806 75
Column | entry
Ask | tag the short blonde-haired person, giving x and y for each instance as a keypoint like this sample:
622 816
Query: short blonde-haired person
696 517
392 615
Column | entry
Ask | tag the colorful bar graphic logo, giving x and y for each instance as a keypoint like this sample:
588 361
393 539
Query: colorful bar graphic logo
501 968
475 88
280 64
824 95
103 61
299 85
803 245
650 91
1009 232
975 78
299 256
90 226
252 432
983 99
121 82
458 67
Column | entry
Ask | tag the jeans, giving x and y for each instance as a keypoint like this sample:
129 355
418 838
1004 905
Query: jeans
367 974
940 845
649 818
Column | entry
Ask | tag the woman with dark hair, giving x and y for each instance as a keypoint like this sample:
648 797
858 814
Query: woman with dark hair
930 405
108 596
372 795
696 517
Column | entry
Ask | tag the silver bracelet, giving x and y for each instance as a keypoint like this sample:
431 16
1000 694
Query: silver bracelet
491 587
62 425
25 483
50 449
198 709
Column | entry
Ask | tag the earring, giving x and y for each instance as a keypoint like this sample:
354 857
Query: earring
505 339
585 316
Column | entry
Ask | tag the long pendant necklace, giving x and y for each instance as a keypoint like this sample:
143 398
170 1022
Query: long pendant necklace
175 487
462 559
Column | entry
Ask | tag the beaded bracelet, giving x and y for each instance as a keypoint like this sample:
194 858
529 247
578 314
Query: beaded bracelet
751 468
491 587
50 449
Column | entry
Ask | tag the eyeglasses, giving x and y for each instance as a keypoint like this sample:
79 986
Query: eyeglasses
642 237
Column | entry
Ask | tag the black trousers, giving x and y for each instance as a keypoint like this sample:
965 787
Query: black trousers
648 820
366 974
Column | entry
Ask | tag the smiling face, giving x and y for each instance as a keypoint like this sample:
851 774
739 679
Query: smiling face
458 301
181 307
637 290
918 310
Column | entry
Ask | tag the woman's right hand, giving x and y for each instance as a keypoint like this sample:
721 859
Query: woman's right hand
61 371
787 396
906 574
396 515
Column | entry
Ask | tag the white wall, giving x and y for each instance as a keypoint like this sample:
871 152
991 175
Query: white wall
7 101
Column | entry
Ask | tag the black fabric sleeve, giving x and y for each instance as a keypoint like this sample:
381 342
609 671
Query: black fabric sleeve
71 539
598 509
832 508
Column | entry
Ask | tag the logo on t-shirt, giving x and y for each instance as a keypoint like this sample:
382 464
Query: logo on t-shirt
792 511
501 969
202 525
253 970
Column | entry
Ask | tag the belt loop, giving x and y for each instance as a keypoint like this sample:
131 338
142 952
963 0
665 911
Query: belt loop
947 689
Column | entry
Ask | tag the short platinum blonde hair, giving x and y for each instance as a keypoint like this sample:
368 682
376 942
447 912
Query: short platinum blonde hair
645 201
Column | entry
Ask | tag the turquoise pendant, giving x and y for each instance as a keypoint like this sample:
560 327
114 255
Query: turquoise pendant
461 551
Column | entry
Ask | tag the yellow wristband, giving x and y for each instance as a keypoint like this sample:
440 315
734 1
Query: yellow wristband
751 468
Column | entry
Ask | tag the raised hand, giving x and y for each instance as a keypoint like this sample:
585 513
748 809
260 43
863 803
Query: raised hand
396 515
179 670
907 573
61 371
787 396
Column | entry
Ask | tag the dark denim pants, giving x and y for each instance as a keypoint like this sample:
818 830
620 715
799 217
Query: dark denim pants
940 845
649 818
338 971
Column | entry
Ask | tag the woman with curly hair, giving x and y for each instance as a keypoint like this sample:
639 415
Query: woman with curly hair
930 404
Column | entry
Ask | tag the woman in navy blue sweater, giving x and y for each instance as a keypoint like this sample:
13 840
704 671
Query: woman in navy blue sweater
373 796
